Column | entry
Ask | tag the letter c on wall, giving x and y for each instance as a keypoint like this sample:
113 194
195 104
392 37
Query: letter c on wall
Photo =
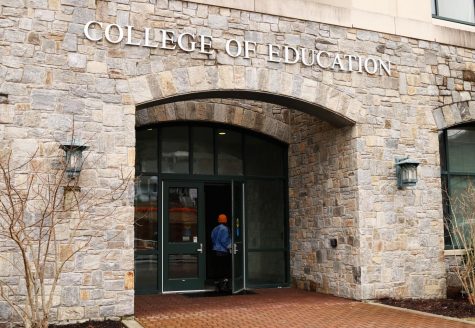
86 30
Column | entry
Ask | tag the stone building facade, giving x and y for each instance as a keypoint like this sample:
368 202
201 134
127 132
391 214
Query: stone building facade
344 128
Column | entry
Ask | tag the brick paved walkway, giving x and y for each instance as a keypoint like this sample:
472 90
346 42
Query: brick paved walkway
275 308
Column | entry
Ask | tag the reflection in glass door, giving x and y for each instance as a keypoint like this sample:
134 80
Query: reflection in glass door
238 237
183 236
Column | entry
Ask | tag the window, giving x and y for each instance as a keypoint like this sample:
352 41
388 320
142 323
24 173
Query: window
205 149
458 169
460 11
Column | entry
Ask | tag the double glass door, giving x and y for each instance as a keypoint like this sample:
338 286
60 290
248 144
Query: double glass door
184 240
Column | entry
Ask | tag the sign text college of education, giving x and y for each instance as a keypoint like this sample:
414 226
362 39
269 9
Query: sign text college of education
190 42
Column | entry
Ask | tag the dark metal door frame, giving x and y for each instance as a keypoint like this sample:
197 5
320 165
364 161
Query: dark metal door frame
191 247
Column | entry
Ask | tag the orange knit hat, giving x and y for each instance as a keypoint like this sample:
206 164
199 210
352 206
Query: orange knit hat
222 218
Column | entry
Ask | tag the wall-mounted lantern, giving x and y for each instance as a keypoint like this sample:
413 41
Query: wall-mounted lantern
406 172
333 242
73 157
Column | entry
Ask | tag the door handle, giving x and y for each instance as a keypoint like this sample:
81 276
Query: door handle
235 249
200 250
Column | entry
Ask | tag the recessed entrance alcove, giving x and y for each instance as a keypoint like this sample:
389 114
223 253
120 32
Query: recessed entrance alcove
283 177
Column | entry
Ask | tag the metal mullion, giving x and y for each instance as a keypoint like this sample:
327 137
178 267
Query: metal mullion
147 251
160 234
146 174
174 176
215 152
461 173
190 150
159 213
284 159
274 249
436 5
159 150
455 20
263 177
243 152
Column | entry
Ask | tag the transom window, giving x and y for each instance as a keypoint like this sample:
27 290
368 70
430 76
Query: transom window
207 150
458 169
460 11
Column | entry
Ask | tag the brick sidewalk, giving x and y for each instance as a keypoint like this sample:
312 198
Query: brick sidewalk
275 308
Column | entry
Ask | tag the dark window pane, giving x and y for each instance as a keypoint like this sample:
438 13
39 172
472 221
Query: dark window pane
182 214
203 155
461 150
460 188
229 146
146 218
175 149
462 207
266 268
146 272
146 148
263 157
265 214
462 10
182 266
443 156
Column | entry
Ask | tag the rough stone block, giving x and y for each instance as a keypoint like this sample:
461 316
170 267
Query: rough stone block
217 22
70 42
139 89
70 296
167 85
70 313
96 67
77 60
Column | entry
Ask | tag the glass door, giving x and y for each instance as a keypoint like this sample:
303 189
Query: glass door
183 236
237 236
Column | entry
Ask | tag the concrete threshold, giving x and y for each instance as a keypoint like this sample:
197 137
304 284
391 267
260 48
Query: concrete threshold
131 323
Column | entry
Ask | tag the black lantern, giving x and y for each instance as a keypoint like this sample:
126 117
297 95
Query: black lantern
73 157
406 172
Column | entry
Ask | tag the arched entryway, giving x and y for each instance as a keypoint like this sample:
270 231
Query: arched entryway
321 186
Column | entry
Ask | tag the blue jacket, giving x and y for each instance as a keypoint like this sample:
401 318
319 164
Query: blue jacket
220 238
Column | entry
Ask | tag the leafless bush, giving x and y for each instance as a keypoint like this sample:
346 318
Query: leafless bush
461 229
46 219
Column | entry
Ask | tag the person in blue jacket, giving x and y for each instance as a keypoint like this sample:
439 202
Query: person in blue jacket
221 245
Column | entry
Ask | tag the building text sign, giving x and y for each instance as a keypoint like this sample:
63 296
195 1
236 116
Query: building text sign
190 42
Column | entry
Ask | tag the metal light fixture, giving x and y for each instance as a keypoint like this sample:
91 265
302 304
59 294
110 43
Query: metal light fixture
333 242
73 157
406 172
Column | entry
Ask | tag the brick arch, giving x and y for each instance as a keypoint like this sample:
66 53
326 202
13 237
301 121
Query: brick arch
211 110
454 114
262 84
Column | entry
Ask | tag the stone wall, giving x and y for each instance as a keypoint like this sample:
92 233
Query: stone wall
323 199
393 242
453 261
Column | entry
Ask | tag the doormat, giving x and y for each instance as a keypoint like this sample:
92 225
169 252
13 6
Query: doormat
218 293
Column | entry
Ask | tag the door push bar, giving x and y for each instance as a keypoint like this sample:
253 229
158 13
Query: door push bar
235 249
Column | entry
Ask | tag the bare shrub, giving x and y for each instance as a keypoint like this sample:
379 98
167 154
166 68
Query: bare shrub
461 229
46 219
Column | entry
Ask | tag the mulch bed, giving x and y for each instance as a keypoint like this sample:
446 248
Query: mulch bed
92 324
451 307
